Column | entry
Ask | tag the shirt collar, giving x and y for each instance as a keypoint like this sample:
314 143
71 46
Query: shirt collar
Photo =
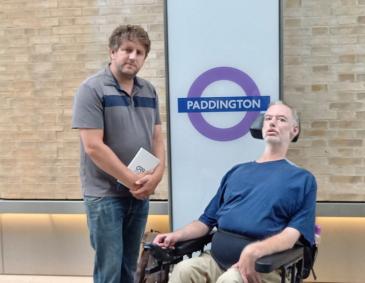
110 80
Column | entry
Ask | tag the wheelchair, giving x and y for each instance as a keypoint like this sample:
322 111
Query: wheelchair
294 264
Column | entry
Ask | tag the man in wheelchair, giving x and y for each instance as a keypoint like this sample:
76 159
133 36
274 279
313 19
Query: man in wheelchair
261 207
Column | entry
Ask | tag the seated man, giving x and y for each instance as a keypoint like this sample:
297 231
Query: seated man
261 207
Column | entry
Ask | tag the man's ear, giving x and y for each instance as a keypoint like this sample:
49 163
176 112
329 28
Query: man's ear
111 53
295 131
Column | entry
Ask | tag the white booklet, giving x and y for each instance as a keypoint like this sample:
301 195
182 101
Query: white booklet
143 161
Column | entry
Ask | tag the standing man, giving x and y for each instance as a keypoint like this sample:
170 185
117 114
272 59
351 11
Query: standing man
117 113
261 207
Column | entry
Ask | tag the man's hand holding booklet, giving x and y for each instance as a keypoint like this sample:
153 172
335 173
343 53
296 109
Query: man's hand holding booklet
143 161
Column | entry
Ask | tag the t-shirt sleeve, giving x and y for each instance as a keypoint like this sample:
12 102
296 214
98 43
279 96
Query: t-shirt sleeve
209 216
88 110
304 218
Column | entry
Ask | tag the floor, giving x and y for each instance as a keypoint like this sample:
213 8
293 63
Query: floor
50 279
43 279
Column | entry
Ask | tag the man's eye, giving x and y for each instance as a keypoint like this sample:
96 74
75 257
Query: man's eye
267 118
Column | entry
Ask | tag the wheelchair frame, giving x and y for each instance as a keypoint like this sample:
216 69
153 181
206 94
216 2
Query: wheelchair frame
289 262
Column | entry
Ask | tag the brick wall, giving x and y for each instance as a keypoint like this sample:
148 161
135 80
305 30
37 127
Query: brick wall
48 47
324 78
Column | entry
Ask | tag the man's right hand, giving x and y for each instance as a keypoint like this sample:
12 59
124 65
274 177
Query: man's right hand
190 231
166 240
131 182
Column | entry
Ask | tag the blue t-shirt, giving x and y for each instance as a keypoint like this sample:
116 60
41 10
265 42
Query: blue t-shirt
259 200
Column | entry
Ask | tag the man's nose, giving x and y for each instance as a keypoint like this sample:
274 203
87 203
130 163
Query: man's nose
273 122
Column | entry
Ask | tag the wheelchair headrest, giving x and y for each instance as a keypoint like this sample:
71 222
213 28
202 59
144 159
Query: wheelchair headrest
256 128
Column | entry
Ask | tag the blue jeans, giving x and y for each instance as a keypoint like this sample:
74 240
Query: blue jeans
116 226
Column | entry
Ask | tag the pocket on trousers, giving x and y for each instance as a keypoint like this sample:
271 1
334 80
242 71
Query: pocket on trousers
92 200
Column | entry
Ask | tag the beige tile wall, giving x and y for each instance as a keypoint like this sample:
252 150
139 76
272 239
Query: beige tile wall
48 47
46 244
58 244
51 244
1 246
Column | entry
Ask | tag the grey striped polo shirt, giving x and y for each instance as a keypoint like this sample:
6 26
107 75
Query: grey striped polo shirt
127 121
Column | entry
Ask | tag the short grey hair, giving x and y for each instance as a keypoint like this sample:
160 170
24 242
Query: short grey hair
293 110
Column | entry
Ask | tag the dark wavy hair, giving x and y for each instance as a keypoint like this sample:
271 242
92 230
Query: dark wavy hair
129 32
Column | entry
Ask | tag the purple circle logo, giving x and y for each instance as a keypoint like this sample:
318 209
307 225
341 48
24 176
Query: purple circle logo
228 74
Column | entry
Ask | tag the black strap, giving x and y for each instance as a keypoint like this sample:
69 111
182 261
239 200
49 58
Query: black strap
227 247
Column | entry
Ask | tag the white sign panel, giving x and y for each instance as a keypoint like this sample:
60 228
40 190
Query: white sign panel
223 69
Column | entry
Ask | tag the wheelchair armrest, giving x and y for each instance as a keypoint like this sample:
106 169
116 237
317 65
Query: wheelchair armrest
190 246
272 262
160 254
180 249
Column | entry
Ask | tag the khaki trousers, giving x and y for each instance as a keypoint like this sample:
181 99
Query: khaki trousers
204 269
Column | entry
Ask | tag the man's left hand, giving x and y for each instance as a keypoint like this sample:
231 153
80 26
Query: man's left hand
246 265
